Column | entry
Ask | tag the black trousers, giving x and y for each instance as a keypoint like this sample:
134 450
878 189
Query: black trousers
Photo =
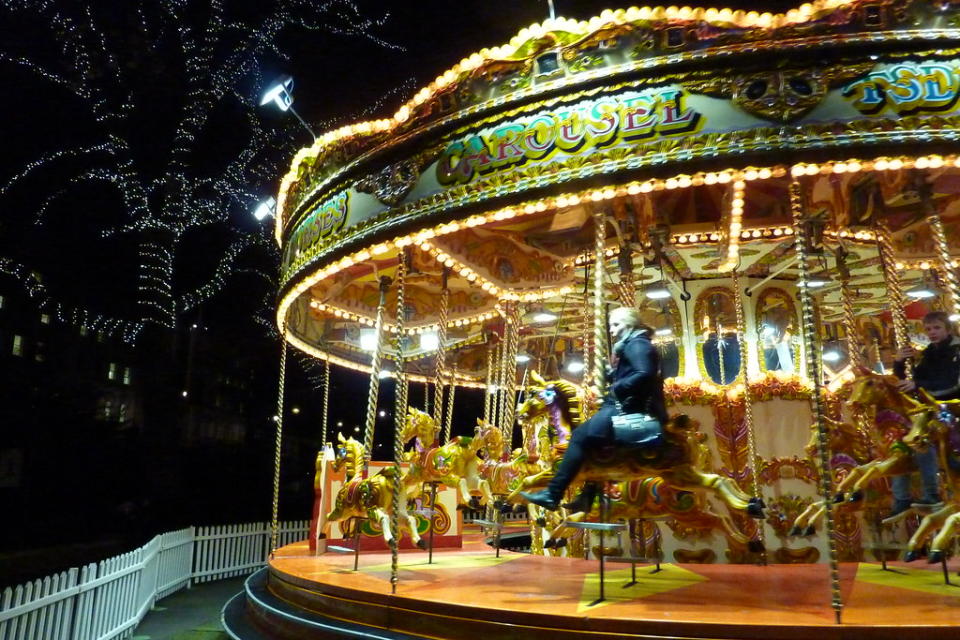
595 433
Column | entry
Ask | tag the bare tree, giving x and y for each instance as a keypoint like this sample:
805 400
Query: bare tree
165 93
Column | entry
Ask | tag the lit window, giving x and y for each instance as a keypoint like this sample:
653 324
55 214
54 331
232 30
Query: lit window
38 356
127 375
3 302
44 318
17 345
83 329
122 417
99 336
112 371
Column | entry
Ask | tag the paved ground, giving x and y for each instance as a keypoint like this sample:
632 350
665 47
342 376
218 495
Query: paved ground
190 614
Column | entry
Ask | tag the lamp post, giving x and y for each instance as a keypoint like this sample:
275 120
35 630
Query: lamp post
281 94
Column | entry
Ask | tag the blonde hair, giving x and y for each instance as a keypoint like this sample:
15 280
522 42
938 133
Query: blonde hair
632 316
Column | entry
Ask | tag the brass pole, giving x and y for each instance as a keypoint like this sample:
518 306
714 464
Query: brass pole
747 395
510 372
375 375
901 335
438 386
278 446
599 306
326 400
798 205
854 355
400 413
925 189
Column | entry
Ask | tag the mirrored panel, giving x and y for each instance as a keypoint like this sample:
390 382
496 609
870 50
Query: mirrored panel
664 317
715 318
776 322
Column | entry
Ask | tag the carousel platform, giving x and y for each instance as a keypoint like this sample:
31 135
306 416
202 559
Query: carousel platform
470 593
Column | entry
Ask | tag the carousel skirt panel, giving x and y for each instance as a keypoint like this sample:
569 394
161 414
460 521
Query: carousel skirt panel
470 593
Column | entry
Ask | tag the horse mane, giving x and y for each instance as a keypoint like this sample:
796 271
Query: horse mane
570 400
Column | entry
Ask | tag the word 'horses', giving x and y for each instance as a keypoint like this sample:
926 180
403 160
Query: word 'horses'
678 461
370 498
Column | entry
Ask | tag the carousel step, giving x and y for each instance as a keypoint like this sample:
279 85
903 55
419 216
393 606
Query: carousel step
338 549
256 614
597 526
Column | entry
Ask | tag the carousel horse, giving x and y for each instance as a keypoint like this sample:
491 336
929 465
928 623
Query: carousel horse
370 498
455 464
676 461
938 425
891 411
502 473
653 497
849 446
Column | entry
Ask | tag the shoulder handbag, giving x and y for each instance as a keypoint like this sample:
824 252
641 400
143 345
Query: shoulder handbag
636 429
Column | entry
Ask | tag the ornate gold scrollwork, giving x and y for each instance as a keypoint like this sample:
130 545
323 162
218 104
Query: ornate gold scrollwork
781 95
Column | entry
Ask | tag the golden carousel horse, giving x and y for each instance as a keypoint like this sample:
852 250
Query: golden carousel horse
678 461
503 473
849 446
370 498
455 464
653 497
888 410
938 424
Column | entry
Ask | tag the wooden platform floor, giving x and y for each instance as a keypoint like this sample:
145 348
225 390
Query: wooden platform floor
556 594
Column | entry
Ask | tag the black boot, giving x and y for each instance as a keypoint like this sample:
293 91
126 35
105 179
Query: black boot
546 499
584 500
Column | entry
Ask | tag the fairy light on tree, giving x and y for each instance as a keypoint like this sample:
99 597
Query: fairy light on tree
186 176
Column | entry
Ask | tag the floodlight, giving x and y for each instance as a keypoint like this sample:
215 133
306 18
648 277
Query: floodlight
575 366
429 341
657 292
280 93
266 208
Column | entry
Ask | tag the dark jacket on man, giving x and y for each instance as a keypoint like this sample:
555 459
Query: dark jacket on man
938 371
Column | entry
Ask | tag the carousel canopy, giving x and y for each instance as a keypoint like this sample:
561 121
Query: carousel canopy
673 134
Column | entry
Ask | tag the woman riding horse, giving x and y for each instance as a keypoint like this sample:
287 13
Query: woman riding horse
636 385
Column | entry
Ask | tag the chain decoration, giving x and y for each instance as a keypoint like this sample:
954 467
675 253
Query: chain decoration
441 352
275 514
375 374
797 206
747 394
898 302
400 413
599 308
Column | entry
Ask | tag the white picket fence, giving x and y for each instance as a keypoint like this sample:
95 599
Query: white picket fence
107 600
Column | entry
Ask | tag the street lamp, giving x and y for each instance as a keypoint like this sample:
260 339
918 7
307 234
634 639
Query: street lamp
280 93
266 208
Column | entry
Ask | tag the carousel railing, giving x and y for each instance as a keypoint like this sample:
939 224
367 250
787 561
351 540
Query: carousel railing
108 599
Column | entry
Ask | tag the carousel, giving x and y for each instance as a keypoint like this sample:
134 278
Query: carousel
779 197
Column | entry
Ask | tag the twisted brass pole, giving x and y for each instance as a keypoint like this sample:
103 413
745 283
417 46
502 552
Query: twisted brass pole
940 239
587 338
326 400
278 445
898 303
599 307
400 413
510 371
486 393
448 424
798 205
375 374
854 354
747 393
438 385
